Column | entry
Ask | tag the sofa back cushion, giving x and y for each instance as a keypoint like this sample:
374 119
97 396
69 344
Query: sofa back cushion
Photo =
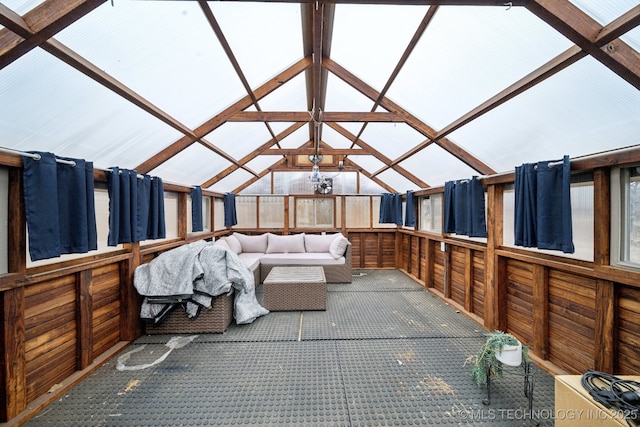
252 243
222 242
285 244
234 244
338 246
318 243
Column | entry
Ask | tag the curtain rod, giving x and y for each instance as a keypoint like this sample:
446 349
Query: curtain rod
35 156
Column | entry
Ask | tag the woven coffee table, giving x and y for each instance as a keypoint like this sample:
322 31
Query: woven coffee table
295 288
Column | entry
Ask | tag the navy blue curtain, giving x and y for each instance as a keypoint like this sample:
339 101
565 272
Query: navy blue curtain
410 210
136 207
196 209
543 206
390 209
464 208
59 206
156 228
449 217
230 216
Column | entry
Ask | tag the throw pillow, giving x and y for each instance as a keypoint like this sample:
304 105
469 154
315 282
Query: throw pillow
285 244
317 243
338 246
252 243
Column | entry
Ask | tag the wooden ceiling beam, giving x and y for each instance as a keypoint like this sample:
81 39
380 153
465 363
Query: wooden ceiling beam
303 116
22 34
593 38
323 151
246 159
411 120
218 120
378 155
213 23
350 163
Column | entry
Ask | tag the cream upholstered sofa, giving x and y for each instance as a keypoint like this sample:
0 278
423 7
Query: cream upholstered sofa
263 252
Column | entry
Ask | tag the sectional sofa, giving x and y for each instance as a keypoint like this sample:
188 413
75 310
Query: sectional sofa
264 251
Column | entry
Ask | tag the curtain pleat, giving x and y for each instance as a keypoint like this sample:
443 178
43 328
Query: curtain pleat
543 206
449 212
464 208
230 215
136 207
390 209
410 210
196 209
59 206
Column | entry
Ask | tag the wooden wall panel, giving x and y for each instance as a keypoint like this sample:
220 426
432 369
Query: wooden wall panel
405 251
628 331
458 260
438 269
423 266
105 289
415 256
50 334
388 247
571 321
356 249
370 241
478 283
520 299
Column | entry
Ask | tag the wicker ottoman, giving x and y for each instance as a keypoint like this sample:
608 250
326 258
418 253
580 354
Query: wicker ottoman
213 320
295 288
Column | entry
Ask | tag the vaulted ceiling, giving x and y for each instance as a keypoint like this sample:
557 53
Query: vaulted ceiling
395 95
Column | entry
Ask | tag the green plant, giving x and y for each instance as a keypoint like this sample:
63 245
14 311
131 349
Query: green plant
486 357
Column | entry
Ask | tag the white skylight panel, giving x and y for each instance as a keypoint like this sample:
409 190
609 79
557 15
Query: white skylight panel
334 139
231 181
582 110
469 54
265 38
369 41
55 108
261 163
164 51
297 138
343 97
396 181
369 163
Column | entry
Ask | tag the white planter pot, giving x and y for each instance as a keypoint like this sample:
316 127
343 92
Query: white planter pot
510 355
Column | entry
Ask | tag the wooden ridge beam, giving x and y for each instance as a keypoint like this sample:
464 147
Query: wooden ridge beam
307 151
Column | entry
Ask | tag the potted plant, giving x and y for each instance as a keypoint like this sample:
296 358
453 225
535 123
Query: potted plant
500 347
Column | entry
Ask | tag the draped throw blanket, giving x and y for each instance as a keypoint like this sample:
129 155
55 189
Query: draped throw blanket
196 209
543 205
193 275
136 207
390 209
230 216
59 206
410 210
464 208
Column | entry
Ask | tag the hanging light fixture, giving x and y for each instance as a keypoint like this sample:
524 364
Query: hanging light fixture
315 179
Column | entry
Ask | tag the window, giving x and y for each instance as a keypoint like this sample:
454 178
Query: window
625 216
581 218
358 211
271 211
430 213
315 212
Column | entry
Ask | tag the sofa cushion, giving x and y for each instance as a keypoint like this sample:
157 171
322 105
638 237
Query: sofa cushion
338 246
301 259
252 243
234 244
222 242
251 259
285 244
318 242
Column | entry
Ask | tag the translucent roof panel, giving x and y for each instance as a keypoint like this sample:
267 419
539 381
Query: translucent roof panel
469 54
164 51
21 7
343 97
605 11
265 37
435 166
231 181
192 166
582 110
398 182
289 97
365 43
58 109
368 163
391 139
334 139
296 139
238 138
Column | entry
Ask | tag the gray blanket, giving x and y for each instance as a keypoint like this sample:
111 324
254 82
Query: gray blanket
193 275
